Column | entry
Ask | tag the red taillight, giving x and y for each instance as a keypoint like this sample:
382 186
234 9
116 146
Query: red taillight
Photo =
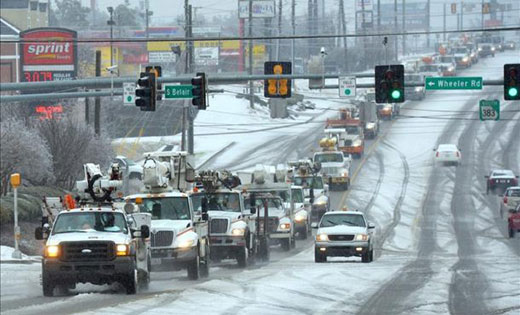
505 199
437 154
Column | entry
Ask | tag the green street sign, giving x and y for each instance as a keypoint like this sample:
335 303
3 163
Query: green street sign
489 110
178 91
453 83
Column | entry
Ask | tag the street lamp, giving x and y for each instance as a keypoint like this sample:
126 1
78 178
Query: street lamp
323 53
111 23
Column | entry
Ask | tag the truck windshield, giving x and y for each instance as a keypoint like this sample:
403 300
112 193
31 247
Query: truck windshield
307 182
445 59
218 201
90 221
352 130
328 157
343 219
428 68
460 50
297 195
272 203
166 208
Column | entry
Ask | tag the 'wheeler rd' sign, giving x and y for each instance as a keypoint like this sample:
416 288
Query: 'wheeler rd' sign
453 83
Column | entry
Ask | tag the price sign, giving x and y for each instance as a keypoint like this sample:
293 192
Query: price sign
347 86
489 110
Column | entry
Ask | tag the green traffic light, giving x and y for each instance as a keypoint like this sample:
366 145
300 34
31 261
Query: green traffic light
396 94
512 92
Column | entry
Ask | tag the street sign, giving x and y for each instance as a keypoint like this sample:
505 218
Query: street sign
453 83
489 110
347 86
128 93
178 91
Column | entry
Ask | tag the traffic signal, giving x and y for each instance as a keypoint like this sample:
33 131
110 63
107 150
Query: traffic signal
199 91
277 88
512 82
389 84
158 73
145 92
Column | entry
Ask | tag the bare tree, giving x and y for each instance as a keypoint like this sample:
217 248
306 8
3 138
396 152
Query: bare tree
73 144
23 151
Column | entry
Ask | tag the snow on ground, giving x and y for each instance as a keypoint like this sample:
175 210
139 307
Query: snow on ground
6 254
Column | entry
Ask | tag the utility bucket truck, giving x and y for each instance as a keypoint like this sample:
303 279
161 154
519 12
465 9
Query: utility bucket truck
274 220
92 238
179 236
232 231
335 166
352 141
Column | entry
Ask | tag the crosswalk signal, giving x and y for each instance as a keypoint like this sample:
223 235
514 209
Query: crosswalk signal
199 91
389 84
158 73
145 93
277 88
512 81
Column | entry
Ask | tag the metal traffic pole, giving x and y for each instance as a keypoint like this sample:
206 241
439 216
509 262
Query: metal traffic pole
15 182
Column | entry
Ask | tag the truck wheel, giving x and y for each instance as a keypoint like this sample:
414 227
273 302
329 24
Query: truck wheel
242 257
48 284
365 257
204 266
293 241
131 282
319 257
303 232
511 233
194 268
286 244
263 249
371 255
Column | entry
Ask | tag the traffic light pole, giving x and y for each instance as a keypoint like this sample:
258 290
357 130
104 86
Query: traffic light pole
250 55
97 103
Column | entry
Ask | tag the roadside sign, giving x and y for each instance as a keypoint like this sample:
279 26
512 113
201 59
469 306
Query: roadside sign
453 83
489 110
347 86
178 91
128 93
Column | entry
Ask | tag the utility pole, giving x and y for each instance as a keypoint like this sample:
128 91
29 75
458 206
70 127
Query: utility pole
250 56
344 31
396 29
190 60
147 16
279 29
309 26
462 15
428 24
87 110
97 104
364 31
293 5
444 23
111 23
403 28
186 103
379 15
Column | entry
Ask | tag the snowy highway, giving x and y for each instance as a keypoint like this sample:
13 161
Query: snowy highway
441 242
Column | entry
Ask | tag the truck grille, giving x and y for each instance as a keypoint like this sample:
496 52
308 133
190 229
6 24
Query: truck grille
161 238
348 143
341 237
272 225
218 226
87 251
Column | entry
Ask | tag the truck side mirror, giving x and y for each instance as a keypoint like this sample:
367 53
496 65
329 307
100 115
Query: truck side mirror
253 210
38 233
371 225
145 231
190 175
311 195
204 209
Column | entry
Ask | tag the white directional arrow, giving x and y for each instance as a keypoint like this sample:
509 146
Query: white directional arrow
431 83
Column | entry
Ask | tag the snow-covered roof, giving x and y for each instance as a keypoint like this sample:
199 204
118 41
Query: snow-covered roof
7 29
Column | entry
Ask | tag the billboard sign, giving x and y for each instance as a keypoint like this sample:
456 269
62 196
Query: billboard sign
161 56
261 9
206 56
54 59
415 13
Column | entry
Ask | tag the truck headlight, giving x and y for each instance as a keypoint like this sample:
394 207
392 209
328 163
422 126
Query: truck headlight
285 226
320 203
357 143
122 250
479 49
418 89
465 59
238 232
299 217
361 237
322 237
52 251
186 243
451 69
472 55
492 48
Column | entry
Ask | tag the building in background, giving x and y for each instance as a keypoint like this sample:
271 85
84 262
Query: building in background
25 14
9 56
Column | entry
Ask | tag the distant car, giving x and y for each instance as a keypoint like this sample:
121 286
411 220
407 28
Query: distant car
510 45
510 200
486 49
448 154
344 233
134 170
430 70
500 180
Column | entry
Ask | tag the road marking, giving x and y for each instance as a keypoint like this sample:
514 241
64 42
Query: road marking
365 158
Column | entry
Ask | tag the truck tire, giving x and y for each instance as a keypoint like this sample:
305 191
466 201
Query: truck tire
319 257
242 257
204 265
303 232
511 233
293 241
371 255
365 257
286 244
131 282
263 249
194 269
48 284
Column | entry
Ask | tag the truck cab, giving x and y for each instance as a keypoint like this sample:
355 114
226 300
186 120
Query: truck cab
335 168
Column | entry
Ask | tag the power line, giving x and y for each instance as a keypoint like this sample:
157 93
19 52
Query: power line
230 38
